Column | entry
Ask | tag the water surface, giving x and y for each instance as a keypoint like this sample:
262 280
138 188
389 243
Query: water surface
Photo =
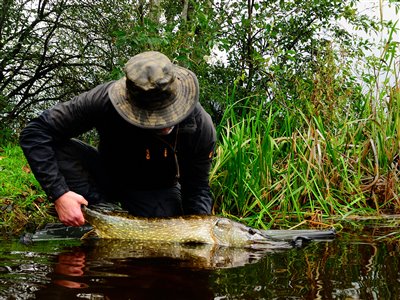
353 266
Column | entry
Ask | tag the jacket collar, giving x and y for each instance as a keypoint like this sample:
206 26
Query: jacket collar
189 125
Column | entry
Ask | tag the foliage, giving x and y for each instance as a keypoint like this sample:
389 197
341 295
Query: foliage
52 50
274 43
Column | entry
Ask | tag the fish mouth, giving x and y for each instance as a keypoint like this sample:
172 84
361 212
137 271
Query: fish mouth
258 235
261 240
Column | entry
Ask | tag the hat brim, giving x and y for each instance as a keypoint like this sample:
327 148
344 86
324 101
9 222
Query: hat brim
186 97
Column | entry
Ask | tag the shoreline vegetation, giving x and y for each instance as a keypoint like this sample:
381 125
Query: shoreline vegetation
295 165
308 125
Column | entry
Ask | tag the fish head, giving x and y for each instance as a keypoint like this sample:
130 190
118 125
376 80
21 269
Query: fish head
230 233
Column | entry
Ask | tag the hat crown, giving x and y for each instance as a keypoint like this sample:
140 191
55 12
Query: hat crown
149 80
149 70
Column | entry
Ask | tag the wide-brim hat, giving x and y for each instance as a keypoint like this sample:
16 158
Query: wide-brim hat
154 93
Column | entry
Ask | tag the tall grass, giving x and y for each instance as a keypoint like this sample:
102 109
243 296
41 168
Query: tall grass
265 171
336 155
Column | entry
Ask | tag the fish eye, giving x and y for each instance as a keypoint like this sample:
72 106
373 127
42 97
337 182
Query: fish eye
252 231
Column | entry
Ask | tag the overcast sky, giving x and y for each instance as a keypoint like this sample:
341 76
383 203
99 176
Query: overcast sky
372 8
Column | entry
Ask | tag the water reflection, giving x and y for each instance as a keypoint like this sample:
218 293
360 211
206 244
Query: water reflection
198 256
113 269
349 267
70 265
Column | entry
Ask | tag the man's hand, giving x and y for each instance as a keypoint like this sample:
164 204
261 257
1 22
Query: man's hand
68 207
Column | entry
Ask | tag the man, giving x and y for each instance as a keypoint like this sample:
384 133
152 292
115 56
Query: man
155 147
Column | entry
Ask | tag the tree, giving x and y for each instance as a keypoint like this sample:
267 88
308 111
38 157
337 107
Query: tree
53 49
271 45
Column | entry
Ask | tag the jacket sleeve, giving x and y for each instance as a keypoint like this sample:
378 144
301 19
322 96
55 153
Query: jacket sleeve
196 194
63 121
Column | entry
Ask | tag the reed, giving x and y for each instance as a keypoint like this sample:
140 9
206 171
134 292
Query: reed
336 155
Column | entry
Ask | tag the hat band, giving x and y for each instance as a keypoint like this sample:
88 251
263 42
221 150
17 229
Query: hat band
155 99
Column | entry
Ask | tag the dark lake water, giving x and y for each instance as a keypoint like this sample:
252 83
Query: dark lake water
355 265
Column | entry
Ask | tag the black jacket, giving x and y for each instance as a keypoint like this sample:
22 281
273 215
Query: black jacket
133 157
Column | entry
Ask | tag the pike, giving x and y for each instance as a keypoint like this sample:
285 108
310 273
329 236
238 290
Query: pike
186 229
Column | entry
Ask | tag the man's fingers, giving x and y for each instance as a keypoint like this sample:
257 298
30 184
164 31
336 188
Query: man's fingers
83 201
77 220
